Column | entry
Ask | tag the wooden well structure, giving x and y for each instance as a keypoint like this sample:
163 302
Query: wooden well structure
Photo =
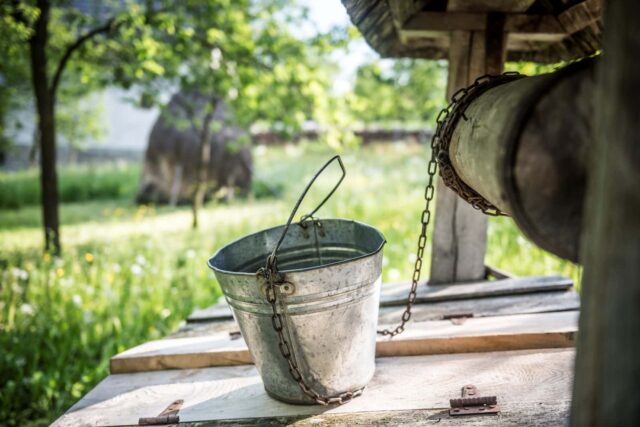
477 37
512 338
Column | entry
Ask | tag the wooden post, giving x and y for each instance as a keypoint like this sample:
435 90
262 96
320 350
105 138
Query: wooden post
606 389
460 232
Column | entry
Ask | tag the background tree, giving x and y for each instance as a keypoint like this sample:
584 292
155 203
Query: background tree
409 91
241 52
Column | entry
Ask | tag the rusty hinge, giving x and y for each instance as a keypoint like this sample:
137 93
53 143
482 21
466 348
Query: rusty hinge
471 404
168 416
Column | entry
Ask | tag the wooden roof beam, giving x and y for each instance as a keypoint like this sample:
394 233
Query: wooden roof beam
424 24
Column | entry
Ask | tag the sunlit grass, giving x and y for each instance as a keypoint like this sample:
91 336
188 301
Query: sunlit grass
130 274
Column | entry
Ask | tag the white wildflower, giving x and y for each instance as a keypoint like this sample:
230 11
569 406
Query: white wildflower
77 299
136 270
26 309
19 273
140 259
191 253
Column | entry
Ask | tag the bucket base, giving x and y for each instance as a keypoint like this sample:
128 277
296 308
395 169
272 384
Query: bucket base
293 402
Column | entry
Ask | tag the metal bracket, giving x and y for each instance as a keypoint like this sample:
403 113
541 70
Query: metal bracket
472 404
168 416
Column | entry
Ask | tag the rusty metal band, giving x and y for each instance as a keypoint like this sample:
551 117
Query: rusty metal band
449 118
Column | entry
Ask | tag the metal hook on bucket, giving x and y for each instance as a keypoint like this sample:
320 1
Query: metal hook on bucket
272 259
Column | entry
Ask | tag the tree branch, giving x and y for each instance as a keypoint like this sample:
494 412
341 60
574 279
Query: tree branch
109 25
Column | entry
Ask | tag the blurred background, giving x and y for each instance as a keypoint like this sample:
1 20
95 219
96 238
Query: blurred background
138 137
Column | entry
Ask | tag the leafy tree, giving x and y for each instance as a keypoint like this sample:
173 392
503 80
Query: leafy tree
240 52
410 91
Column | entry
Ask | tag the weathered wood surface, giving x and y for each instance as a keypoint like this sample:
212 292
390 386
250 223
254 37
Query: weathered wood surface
517 332
517 151
460 232
547 31
544 302
568 22
544 414
518 303
396 293
523 381
608 366
512 6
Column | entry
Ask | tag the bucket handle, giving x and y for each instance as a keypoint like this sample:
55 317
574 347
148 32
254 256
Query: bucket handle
271 274
271 260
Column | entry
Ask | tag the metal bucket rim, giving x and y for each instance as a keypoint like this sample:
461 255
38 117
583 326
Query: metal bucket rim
241 273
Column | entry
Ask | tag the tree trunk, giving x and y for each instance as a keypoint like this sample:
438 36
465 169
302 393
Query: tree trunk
204 160
45 103
607 374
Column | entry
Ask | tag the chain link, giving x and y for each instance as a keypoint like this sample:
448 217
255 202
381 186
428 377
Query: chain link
274 279
445 124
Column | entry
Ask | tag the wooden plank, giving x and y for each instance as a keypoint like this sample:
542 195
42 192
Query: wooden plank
544 302
549 330
217 311
546 414
521 380
568 22
580 16
608 366
396 293
514 301
465 21
512 6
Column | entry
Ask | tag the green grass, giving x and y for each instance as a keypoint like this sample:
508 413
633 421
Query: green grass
131 274
76 184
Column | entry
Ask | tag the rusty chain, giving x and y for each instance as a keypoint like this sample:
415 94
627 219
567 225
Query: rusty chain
445 124
274 278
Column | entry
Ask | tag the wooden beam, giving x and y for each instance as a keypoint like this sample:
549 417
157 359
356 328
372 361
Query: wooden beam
518 332
572 20
522 381
608 363
489 5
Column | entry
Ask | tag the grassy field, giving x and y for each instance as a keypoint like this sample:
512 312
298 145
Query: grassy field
130 274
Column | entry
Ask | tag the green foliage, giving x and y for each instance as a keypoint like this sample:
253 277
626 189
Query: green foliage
129 275
77 184
61 318
411 91
531 68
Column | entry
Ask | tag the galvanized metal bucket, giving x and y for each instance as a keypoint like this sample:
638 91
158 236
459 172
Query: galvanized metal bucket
306 298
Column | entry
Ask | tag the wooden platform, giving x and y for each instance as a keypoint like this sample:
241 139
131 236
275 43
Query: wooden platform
533 388
517 346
